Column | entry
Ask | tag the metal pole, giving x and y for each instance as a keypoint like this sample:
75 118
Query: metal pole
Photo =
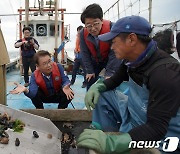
150 11
20 37
41 7
118 9
150 15
56 30
26 12
62 36
20 26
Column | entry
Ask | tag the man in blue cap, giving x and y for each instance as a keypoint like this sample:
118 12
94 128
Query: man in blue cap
150 109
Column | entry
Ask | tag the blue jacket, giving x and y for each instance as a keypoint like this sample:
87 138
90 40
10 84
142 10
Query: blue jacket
33 87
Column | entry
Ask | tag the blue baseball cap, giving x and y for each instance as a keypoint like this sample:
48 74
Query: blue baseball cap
129 24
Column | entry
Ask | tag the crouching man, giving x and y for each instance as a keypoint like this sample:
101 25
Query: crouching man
48 83
150 109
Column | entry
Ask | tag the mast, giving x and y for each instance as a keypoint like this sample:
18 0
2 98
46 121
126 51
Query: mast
61 31
150 15
41 7
26 12
20 20
20 37
62 37
56 30
150 12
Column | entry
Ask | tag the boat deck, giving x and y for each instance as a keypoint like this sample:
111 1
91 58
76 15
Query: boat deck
70 122
23 102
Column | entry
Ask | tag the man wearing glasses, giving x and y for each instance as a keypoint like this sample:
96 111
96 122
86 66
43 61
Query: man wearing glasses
48 83
96 55
28 46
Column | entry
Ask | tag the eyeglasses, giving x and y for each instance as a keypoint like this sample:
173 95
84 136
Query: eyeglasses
27 32
47 63
90 26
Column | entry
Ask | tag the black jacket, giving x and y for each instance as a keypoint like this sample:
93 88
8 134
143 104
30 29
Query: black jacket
164 100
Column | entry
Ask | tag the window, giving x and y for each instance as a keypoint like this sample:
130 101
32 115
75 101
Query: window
41 30
52 30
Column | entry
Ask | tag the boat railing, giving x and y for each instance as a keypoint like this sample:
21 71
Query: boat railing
10 66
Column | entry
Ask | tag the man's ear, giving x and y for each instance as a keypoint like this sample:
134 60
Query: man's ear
132 39
102 21
129 40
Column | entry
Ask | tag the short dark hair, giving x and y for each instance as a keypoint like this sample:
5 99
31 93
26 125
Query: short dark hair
79 27
178 42
178 36
92 11
164 40
26 28
39 54
145 39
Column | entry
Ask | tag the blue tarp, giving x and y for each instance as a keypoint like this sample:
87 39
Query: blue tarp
61 47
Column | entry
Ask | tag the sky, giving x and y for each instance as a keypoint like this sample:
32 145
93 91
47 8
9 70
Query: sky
163 11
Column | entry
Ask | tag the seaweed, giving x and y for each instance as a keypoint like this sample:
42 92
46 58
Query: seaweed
5 123
18 126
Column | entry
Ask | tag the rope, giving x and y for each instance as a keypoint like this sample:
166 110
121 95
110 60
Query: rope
124 8
130 6
165 24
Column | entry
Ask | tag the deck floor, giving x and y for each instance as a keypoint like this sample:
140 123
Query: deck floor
23 102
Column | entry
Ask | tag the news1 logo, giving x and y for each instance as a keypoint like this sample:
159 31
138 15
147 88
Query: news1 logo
170 144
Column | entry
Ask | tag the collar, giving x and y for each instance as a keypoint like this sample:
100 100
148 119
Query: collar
146 54
47 76
93 39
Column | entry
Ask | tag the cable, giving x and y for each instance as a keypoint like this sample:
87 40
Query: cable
12 10
16 14
165 24
124 8
73 105
139 7
131 6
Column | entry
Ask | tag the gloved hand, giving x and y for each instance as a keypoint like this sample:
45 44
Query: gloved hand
92 96
103 143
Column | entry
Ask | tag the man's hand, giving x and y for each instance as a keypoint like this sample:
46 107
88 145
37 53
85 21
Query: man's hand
19 89
89 76
75 51
92 139
31 41
92 96
68 91
24 42
104 143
